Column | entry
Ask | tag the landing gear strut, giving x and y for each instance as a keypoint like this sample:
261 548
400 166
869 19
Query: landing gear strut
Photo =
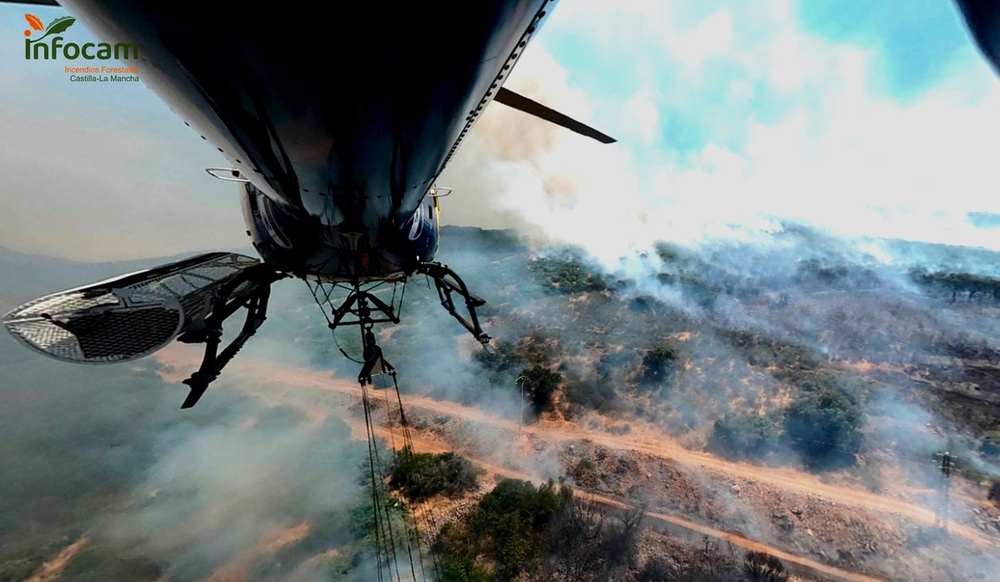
249 289
448 282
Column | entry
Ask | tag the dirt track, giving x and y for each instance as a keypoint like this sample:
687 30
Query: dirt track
53 569
798 564
239 569
185 360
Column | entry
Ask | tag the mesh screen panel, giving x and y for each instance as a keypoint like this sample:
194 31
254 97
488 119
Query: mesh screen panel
128 317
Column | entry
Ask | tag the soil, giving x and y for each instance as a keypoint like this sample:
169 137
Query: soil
824 530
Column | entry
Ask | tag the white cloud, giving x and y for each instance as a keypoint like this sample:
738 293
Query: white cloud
643 118
712 36
793 126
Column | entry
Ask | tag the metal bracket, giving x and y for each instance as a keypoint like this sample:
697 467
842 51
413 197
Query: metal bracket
362 311
227 175
373 358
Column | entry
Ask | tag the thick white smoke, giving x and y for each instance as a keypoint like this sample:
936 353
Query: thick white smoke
731 122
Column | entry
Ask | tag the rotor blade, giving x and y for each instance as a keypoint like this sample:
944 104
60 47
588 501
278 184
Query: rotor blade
35 2
522 103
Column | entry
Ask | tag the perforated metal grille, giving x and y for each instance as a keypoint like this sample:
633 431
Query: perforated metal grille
47 337
124 334
127 317
190 281
100 333
69 301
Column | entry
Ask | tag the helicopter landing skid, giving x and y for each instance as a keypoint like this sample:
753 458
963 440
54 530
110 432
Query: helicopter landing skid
447 282
230 299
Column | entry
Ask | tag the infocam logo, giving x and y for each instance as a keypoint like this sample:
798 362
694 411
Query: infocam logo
54 47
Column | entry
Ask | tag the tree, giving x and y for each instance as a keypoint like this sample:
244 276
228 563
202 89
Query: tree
823 424
657 366
509 525
541 384
744 435
423 475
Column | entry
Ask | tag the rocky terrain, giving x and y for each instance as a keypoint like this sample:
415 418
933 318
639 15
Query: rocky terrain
794 398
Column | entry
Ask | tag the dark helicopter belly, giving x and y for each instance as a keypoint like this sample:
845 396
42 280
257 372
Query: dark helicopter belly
342 113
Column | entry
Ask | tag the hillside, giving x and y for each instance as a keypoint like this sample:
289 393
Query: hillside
793 392
802 354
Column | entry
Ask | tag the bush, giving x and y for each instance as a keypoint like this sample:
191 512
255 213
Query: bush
566 276
761 567
545 530
514 357
657 366
584 474
744 435
656 569
823 424
591 394
991 444
508 527
463 570
421 476
540 383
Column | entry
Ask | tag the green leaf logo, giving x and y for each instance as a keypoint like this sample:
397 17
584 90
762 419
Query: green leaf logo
58 25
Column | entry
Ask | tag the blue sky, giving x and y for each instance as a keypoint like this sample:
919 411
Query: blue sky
915 40
857 117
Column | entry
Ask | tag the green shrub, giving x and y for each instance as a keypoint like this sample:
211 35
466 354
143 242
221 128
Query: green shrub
591 394
540 384
766 352
423 475
569 276
823 424
463 570
508 527
744 435
544 530
991 444
513 357
657 366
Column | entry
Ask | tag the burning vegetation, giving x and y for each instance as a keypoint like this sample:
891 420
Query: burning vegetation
828 366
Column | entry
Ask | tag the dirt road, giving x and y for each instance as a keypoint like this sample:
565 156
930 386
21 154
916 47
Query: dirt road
797 564
184 359
53 569
240 568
